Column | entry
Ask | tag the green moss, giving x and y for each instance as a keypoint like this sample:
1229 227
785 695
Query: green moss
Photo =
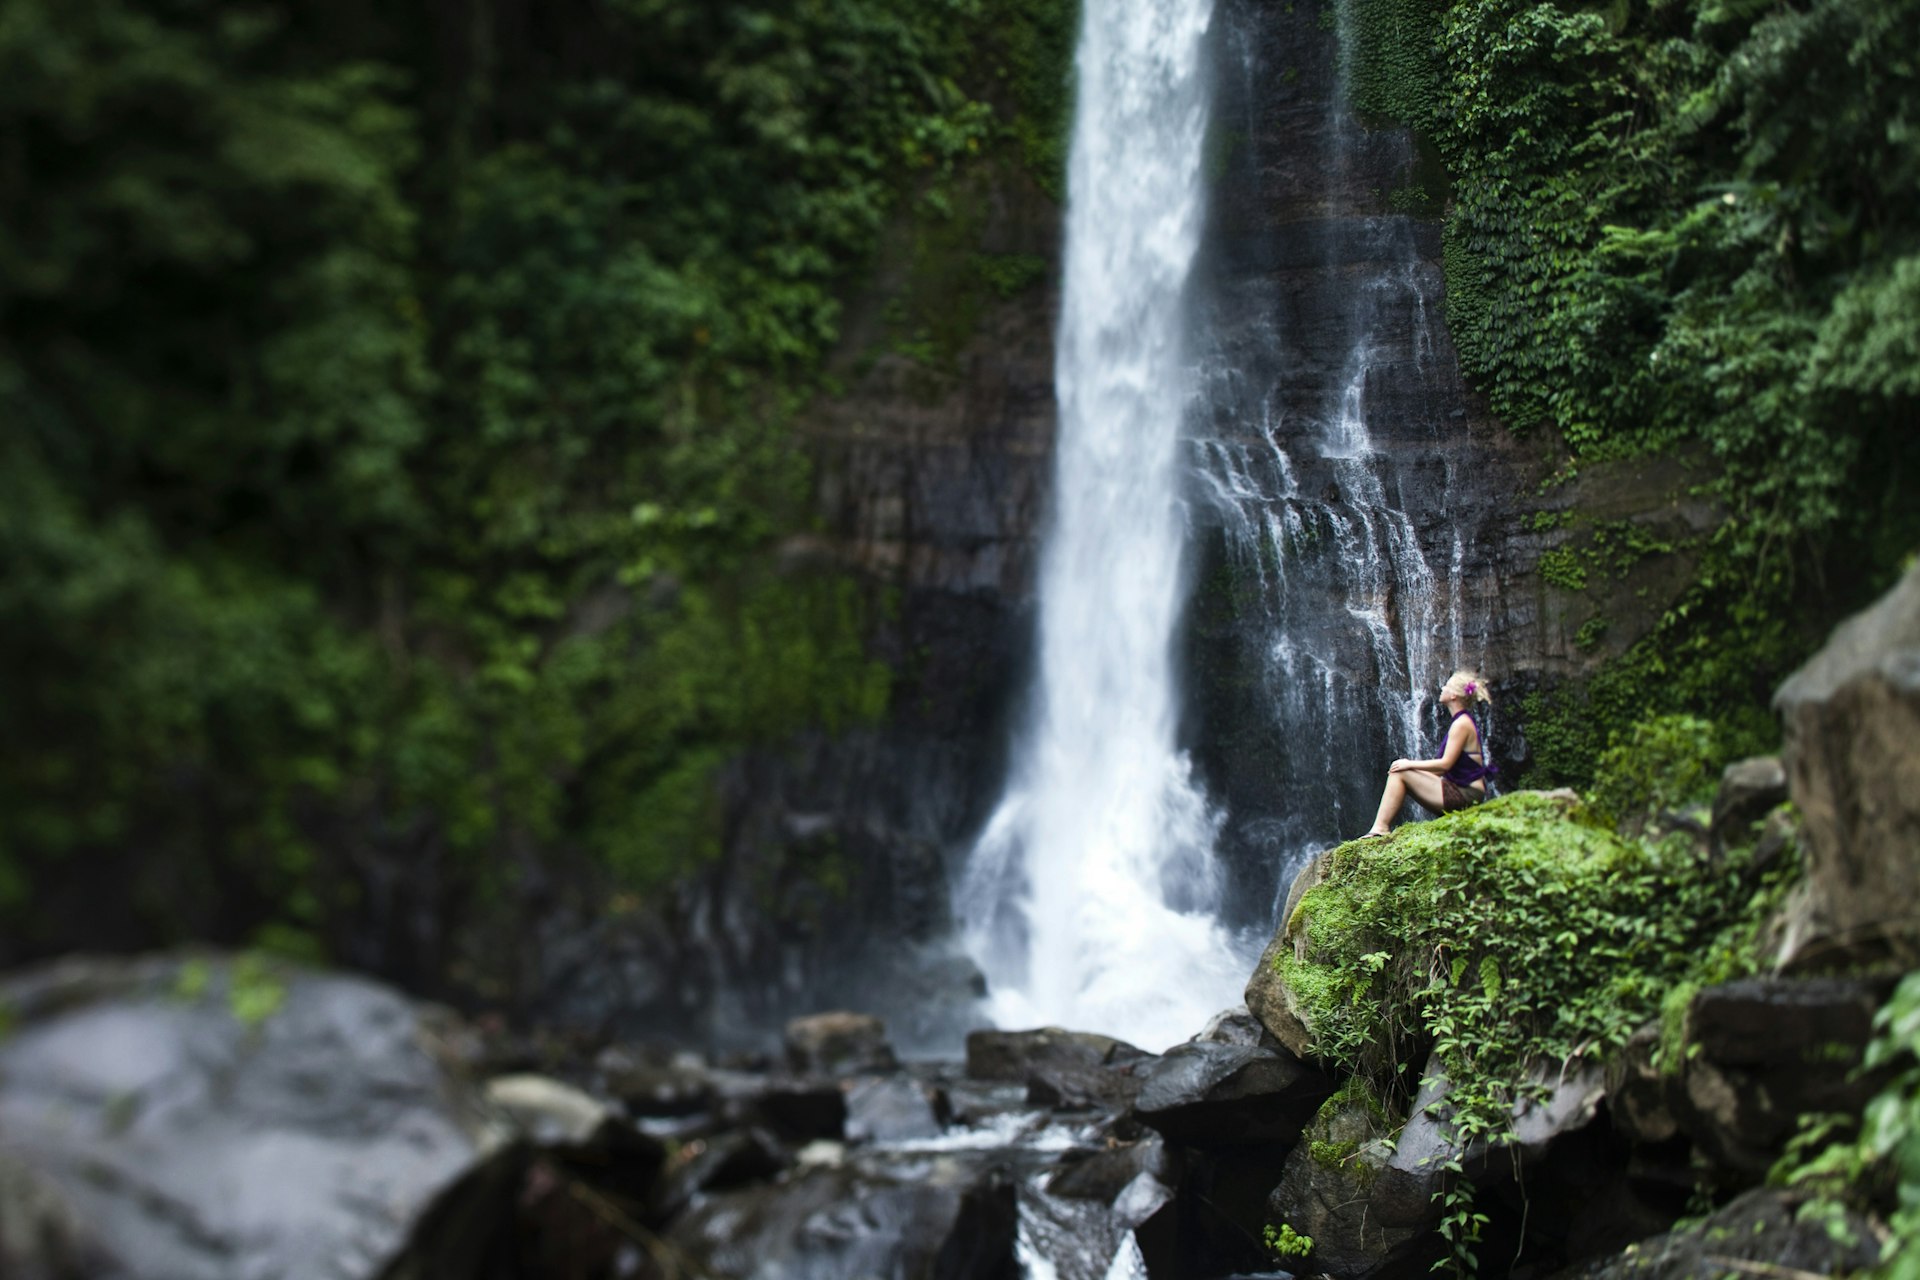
1516 931
1332 1155
1564 568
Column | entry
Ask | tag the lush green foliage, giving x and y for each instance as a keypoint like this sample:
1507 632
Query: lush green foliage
1685 227
398 420
1285 1242
1661 763
1881 1161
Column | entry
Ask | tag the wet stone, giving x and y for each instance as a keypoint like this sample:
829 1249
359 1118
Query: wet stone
1016 1056
1215 1094
892 1109
838 1044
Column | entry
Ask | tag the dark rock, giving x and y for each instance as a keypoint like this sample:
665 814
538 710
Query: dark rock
732 1158
838 1044
1104 1174
1209 1094
1749 791
1852 716
1370 1213
663 1086
1761 1052
1643 1100
952 1221
41 1235
891 1109
1017 1055
796 1110
1235 1026
1758 1022
1760 1229
305 1140
1067 1086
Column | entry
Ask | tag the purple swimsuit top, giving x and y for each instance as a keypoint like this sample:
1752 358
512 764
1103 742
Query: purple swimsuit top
1465 771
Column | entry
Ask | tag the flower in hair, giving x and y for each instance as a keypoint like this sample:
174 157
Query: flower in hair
1468 688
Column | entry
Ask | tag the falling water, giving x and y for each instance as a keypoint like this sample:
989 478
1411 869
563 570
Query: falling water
1090 898
1327 461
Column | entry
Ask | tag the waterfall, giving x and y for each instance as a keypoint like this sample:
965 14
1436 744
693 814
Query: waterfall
1090 898
1333 432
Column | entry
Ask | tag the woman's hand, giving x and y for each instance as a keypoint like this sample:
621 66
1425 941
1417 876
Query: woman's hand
1400 766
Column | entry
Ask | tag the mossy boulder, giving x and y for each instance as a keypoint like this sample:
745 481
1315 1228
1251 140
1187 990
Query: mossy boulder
1369 1211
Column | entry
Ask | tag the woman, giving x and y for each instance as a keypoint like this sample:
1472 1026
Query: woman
1458 778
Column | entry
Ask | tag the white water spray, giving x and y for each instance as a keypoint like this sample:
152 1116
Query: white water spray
1089 899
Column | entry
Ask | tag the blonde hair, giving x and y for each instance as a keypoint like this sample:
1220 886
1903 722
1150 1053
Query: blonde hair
1468 685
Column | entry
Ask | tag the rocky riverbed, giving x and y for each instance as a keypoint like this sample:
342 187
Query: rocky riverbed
191 1116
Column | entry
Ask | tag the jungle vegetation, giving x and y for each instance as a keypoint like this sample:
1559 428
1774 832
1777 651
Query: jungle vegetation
398 433
1685 229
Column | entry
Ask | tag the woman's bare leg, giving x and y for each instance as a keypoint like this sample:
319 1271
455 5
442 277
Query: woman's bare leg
1426 788
1391 799
1423 786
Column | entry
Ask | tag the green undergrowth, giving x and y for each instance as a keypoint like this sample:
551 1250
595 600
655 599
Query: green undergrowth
1875 1160
1524 931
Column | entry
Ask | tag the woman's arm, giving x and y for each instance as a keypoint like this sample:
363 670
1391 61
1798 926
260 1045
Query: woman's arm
1456 743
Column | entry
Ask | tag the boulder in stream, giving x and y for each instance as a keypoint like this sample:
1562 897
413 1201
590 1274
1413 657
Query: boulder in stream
945 1219
1205 1094
1015 1056
838 1044
208 1117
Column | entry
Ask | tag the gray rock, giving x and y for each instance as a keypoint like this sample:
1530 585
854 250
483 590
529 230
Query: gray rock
41 1235
1749 791
546 1111
1370 1213
1014 1056
1068 1086
1760 1228
1209 1094
1852 717
1234 1026
657 1085
953 1221
891 1109
1761 1052
1105 1174
305 1143
838 1044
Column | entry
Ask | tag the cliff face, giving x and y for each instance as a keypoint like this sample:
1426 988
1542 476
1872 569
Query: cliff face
1363 524
930 484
